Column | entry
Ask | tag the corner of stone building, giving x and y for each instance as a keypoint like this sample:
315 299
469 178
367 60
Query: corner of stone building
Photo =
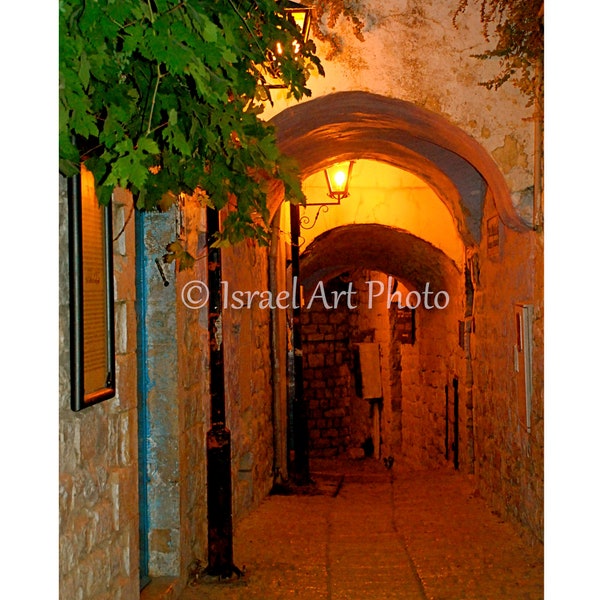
98 512
509 458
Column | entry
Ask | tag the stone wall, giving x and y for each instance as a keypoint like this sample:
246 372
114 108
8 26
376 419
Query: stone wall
415 377
193 393
98 516
341 421
248 379
428 369
175 398
328 381
178 389
99 467
509 460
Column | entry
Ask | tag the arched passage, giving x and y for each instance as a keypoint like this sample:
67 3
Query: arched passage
380 273
378 248
423 377
351 125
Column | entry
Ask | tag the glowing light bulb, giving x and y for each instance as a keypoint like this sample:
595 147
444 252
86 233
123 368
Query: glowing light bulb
339 179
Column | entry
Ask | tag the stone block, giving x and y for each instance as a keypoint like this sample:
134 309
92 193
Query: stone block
121 327
69 444
163 501
124 278
335 412
101 526
316 361
95 572
70 587
66 498
70 548
93 434
326 330
161 540
355 453
319 318
126 375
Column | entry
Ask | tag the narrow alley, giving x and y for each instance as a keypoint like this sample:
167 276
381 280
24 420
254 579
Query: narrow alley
301 328
372 533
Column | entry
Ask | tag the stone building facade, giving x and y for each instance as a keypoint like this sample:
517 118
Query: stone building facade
133 469
98 448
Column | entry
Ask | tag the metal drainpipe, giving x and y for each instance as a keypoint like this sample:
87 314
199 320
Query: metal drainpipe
299 464
279 466
218 438
538 166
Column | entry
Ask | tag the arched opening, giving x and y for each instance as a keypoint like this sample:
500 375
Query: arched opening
407 232
380 346
352 125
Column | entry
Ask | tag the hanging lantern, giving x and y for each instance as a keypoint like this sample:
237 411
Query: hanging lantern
300 16
338 180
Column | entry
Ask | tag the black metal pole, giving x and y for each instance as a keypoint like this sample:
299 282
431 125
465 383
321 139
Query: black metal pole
218 439
299 463
456 424
447 439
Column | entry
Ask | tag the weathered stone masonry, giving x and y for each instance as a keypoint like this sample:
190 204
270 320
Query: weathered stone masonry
416 376
98 448
328 381
415 57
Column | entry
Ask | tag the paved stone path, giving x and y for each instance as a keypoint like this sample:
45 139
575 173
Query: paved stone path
381 535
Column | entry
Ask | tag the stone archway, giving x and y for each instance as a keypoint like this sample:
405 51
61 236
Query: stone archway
380 248
410 420
352 125
361 125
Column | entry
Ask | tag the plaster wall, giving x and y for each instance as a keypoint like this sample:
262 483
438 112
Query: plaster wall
382 194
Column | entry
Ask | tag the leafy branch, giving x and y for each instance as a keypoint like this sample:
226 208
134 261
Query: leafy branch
327 15
518 29
165 96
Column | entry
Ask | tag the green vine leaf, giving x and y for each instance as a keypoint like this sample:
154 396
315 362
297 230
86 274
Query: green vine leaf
165 97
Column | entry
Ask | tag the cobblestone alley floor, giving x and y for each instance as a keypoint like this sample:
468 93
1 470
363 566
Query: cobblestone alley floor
385 535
